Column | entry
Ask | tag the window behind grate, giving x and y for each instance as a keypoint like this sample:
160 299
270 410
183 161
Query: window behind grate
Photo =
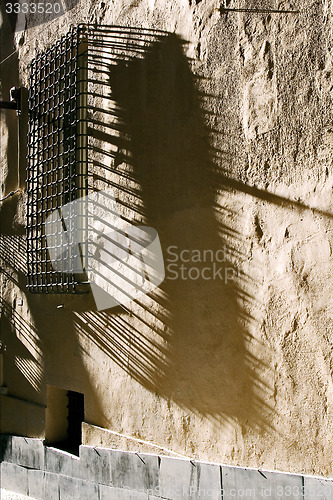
57 159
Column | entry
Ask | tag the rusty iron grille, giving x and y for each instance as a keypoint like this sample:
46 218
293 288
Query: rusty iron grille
56 171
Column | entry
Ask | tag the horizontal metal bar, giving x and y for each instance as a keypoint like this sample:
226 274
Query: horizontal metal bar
8 105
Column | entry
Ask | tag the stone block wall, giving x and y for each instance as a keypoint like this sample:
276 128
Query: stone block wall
30 468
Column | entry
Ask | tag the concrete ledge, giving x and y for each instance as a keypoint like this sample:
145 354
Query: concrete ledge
28 452
46 473
71 488
36 483
95 464
61 462
117 441
207 483
43 485
5 447
247 483
11 495
176 476
317 489
134 471
14 478
51 483
110 493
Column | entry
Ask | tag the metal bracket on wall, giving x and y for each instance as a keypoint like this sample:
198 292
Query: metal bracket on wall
15 98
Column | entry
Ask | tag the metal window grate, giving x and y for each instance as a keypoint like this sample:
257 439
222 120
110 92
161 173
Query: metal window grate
79 142
57 172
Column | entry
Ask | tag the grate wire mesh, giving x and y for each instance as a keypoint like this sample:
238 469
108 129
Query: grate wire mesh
78 143
56 172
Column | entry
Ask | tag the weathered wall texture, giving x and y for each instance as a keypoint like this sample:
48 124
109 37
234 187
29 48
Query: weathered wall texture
229 146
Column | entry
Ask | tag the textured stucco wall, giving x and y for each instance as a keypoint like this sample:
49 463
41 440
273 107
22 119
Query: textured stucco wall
231 139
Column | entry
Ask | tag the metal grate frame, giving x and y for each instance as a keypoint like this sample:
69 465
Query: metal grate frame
77 138
57 172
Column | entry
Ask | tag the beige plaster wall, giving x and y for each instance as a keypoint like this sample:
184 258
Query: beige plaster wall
231 147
